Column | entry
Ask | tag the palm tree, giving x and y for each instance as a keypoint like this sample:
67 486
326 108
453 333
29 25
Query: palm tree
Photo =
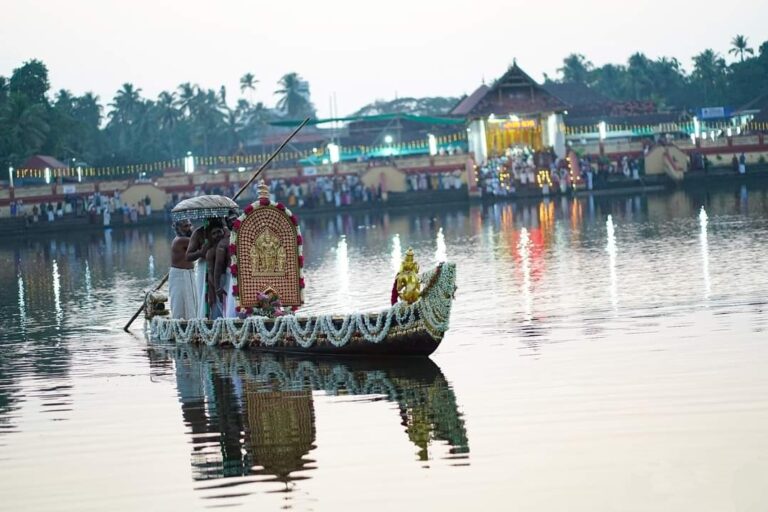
248 82
207 117
125 104
639 75
294 96
87 112
124 119
739 47
167 118
24 127
223 97
667 81
232 129
576 68
187 94
4 88
254 118
709 69
64 100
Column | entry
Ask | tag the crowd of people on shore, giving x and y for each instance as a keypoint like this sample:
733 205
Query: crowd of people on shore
434 181
520 169
323 191
98 208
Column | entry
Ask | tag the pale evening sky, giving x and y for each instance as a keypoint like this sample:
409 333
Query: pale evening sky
359 50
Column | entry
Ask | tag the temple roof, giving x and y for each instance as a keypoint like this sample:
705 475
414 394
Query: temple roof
758 106
41 162
465 106
513 93
576 94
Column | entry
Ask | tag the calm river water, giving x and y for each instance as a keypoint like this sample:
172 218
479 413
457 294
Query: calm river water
604 354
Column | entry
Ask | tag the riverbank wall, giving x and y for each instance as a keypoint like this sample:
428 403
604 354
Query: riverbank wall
403 201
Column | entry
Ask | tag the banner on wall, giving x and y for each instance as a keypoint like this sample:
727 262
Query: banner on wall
714 113
69 189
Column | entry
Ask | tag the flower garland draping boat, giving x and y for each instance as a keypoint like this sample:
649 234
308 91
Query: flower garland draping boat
266 258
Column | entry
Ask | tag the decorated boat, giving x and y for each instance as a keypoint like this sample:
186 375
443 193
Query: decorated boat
266 269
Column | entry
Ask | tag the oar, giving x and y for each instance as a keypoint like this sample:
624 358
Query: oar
234 198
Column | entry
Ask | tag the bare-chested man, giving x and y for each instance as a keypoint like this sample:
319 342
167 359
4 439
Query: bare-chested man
222 277
199 244
181 277
218 235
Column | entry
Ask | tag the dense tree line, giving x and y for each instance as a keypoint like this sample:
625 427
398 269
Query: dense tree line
135 129
712 81
429 106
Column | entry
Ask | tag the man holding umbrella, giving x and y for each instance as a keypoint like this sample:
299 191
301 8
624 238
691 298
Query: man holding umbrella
211 209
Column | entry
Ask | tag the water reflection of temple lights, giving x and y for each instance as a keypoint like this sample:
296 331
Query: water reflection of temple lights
441 252
611 249
22 305
88 287
342 268
524 249
703 221
57 293
397 253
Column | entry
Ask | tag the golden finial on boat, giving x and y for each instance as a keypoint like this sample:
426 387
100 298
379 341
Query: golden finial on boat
407 281
263 189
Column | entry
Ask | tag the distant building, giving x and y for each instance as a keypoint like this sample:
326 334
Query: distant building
587 109
43 162
42 166
515 111
755 111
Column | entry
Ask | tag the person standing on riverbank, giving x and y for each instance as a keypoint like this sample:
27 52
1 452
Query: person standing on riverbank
182 292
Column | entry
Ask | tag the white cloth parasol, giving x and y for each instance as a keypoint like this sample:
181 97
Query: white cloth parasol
203 207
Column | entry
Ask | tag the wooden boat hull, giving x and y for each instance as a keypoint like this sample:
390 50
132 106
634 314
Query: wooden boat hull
402 330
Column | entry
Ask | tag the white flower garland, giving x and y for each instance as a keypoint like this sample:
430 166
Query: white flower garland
432 312
333 379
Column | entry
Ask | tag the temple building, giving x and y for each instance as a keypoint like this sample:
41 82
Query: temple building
513 112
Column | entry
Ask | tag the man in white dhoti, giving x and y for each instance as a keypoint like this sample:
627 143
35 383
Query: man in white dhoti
222 274
182 291
199 244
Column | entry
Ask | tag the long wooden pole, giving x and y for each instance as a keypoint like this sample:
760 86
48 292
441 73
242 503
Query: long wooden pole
234 198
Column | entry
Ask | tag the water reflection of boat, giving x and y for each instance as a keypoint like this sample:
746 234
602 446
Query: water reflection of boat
261 406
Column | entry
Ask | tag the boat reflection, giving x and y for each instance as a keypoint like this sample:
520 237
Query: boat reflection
254 414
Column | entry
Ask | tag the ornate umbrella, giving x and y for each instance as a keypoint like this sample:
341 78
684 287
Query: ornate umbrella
203 207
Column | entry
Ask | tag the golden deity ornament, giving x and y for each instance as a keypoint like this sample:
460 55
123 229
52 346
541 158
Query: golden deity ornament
407 280
267 255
